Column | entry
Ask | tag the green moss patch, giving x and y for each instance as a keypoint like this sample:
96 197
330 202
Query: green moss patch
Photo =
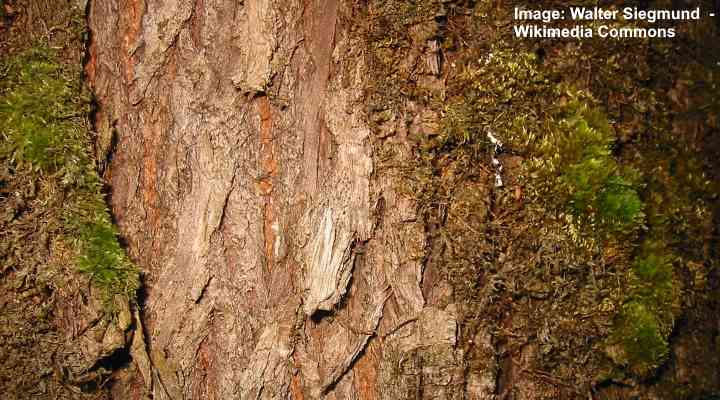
44 127
646 321
641 334
606 196
577 159
654 277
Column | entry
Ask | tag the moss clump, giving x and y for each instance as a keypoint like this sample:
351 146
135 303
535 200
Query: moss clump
654 277
101 256
577 160
494 92
645 323
642 337
43 120
39 114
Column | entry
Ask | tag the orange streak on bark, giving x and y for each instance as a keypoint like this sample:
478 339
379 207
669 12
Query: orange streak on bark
90 66
296 388
196 22
133 14
366 374
268 166
149 175
203 390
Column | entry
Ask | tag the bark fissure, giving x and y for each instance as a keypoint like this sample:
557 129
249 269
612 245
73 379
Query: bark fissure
358 347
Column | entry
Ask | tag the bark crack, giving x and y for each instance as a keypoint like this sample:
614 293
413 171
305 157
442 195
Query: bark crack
360 345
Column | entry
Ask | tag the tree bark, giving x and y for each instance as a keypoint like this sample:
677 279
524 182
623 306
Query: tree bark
277 265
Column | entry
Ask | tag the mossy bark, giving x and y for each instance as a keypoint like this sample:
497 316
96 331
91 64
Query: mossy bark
67 284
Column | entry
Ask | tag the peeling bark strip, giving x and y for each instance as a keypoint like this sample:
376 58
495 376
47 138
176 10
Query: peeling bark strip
243 180
329 266
256 69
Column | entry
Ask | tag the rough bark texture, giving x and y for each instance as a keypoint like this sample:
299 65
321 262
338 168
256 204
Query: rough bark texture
241 180
279 261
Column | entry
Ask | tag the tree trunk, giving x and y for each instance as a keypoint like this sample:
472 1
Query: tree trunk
280 261
241 170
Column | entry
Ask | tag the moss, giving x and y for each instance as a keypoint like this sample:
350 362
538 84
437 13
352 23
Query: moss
43 119
610 197
101 256
644 326
654 273
37 113
576 158
642 337
495 91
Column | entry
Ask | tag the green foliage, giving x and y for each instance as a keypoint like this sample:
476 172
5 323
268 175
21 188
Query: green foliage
494 92
100 253
655 271
42 116
576 158
645 323
619 203
37 113
642 337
